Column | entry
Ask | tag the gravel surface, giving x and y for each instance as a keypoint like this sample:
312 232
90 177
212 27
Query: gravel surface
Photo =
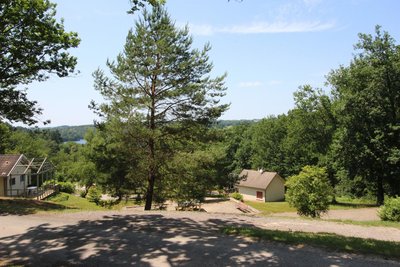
362 214
135 237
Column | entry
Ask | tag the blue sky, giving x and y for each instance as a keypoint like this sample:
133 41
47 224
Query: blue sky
268 48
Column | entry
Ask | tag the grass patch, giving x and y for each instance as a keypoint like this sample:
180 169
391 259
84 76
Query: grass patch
343 203
324 240
73 203
267 208
61 202
16 206
353 203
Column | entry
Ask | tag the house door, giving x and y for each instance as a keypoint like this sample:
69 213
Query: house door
259 195
2 187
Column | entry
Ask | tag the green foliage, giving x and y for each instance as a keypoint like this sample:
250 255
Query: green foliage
72 133
32 143
94 195
309 191
109 203
32 45
390 211
368 109
237 196
66 187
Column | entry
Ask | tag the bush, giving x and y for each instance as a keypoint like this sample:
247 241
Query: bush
107 203
390 211
309 192
66 187
237 196
94 195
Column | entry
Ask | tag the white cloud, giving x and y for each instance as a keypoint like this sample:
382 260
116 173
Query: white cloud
250 84
262 28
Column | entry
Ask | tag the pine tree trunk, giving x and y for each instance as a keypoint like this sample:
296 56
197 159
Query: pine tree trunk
379 193
150 190
152 172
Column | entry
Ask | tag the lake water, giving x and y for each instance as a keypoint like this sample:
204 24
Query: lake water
80 141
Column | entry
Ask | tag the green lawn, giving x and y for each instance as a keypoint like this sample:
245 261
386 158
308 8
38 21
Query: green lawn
27 206
62 202
324 240
73 203
267 208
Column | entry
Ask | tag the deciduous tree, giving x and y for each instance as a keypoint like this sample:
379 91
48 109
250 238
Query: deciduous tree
32 46
368 111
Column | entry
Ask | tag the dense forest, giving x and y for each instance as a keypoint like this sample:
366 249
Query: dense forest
161 136
76 133
71 133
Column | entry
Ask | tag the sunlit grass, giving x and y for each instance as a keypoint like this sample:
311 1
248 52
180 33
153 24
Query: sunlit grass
343 203
61 202
73 203
323 240
267 208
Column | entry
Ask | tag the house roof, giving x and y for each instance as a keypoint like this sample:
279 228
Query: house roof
257 179
7 163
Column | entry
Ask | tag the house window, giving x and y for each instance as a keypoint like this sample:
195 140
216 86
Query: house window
22 179
12 181
259 194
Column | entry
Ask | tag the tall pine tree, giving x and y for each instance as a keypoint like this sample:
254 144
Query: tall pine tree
163 86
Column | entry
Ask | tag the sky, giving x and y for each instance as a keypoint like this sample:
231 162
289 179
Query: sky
268 48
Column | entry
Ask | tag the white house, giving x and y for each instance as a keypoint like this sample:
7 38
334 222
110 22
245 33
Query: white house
261 186
22 177
15 176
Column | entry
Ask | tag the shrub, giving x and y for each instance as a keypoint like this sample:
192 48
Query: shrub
107 203
390 211
237 196
309 191
49 182
67 187
82 193
94 195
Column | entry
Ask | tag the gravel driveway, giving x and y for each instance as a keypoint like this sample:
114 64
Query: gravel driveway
361 214
141 238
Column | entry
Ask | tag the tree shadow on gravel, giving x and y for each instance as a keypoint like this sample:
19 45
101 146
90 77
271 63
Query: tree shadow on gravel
153 240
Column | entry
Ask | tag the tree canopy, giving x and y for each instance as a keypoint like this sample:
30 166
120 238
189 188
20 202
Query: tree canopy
32 46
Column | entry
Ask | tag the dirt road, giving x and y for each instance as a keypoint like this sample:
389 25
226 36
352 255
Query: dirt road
156 239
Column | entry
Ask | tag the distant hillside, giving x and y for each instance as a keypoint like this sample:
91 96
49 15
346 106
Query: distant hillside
72 133
227 123
75 133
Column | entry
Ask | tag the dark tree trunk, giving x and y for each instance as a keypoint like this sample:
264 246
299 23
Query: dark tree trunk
379 192
152 176
152 157
150 190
